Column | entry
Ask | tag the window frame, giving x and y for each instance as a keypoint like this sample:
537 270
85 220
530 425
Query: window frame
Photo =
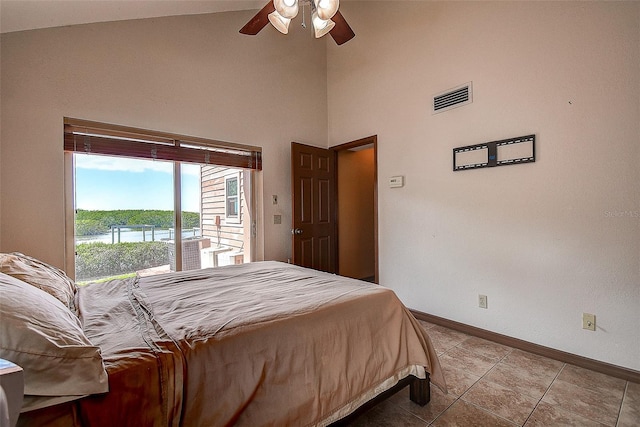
100 138
233 219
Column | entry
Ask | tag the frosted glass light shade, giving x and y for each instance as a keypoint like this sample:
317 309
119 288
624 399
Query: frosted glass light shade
321 26
286 8
279 22
326 8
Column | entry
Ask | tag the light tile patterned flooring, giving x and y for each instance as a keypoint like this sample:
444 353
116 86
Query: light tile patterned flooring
494 385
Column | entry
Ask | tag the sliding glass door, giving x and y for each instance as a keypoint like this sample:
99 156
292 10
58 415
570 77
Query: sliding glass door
148 202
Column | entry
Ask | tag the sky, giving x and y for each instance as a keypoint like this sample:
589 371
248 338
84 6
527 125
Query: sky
111 183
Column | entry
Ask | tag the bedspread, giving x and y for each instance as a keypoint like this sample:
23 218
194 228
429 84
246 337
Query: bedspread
263 343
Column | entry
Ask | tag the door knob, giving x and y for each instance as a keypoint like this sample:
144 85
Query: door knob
296 231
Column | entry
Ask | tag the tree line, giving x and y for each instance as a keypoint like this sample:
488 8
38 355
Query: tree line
90 222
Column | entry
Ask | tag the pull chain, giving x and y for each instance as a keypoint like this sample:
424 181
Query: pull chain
304 14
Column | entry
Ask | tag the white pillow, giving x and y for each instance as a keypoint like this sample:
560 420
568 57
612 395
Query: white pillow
40 334
41 275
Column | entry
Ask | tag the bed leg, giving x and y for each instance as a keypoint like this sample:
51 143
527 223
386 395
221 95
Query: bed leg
419 391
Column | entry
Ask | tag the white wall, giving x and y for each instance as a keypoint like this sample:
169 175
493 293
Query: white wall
545 241
193 75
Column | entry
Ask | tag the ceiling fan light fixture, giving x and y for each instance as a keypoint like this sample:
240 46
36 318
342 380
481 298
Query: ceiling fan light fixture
286 8
326 8
325 18
279 22
321 26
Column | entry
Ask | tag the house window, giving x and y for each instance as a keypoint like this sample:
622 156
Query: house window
232 197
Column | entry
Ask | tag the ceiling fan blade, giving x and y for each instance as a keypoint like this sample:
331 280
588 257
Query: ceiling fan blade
259 21
342 32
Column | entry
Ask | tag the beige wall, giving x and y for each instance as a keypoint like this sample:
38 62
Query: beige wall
356 238
0 148
545 241
193 75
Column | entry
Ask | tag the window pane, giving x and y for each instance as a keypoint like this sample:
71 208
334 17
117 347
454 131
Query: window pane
124 216
125 219
232 187
232 206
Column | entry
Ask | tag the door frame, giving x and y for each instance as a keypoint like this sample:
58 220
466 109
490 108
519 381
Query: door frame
373 141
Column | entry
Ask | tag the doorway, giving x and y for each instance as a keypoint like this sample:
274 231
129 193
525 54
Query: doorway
334 225
357 209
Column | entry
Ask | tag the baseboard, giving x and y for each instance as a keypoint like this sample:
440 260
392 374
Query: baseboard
562 356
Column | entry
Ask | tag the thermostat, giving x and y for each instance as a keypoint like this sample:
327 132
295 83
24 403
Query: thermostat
396 181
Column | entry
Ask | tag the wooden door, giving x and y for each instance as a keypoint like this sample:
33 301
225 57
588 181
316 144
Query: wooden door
313 231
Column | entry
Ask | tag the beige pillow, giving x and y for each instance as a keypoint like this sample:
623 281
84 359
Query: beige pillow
41 275
40 334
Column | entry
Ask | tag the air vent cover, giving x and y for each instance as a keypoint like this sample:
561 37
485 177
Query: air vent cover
453 98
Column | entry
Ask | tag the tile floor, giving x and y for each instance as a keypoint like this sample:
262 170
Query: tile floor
494 385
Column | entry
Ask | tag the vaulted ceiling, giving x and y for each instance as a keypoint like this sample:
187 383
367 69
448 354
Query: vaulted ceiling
19 15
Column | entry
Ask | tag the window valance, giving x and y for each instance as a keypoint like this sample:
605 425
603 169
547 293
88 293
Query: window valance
84 136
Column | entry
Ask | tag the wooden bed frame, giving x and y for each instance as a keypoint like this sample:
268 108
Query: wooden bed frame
419 393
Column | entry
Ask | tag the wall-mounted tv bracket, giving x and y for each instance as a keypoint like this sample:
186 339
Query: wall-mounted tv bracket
510 151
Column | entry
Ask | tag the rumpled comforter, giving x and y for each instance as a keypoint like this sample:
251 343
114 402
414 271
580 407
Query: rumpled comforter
264 343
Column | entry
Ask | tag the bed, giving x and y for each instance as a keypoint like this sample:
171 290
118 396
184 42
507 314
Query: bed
264 343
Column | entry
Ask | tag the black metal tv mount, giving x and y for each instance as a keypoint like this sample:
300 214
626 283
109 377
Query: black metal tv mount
512 151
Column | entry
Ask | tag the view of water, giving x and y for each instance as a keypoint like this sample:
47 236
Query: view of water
137 235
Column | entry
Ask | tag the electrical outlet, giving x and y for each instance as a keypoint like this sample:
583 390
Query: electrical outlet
589 321
482 301
277 219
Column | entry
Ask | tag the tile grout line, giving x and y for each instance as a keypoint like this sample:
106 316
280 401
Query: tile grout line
545 393
491 412
591 390
457 398
430 423
540 400
479 379
487 373
492 368
624 395
407 411
555 379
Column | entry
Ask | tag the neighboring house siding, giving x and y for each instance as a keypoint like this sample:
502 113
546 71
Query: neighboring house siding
231 232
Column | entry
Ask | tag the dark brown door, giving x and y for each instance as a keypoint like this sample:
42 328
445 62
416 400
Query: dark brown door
313 197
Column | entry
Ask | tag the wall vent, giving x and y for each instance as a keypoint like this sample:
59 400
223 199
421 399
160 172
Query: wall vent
453 98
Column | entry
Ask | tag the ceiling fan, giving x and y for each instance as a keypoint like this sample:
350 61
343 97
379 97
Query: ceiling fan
325 17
